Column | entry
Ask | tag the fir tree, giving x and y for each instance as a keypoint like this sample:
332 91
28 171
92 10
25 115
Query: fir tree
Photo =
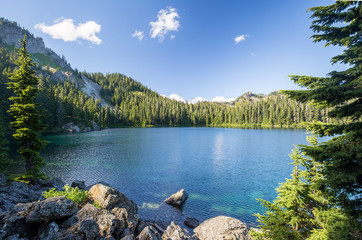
303 208
27 115
338 24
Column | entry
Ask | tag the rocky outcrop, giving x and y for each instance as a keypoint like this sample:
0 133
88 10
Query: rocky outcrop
50 209
222 227
175 232
178 198
110 198
115 217
149 233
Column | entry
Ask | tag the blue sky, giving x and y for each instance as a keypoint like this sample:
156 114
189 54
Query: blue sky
192 49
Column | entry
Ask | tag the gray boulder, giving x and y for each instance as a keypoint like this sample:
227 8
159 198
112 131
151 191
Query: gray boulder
14 221
149 233
108 223
110 198
175 232
16 192
48 231
88 211
178 198
222 227
50 209
87 229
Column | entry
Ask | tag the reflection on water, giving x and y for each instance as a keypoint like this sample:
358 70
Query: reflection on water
223 170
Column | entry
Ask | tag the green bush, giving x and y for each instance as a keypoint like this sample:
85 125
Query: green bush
75 194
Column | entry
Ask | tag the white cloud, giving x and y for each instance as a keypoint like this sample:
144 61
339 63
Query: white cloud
176 97
138 34
172 37
222 99
197 99
66 30
166 21
240 38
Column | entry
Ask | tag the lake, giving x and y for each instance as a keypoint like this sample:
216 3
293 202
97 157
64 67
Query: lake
224 170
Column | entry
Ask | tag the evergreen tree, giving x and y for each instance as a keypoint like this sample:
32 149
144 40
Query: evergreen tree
27 116
338 24
303 208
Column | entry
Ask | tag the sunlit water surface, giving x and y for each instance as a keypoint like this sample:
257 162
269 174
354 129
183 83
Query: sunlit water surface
223 170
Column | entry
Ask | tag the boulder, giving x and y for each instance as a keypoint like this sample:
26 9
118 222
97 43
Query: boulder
54 183
16 192
110 198
178 198
50 209
222 227
48 231
128 237
14 222
175 232
88 211
108 223
87 229
191 222
78 184
149 233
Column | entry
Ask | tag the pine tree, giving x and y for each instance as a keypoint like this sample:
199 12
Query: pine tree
303 208
27 115
338 24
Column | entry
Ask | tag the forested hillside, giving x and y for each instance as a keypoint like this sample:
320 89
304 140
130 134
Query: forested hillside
67 98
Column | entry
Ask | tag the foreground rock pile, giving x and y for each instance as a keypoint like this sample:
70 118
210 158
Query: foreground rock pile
25 214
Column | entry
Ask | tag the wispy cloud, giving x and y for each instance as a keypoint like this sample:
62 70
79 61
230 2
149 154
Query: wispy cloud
138 34
66 30
197 99
166 21
240 38
222 99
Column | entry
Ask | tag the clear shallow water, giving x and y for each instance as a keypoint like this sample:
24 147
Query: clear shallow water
224 170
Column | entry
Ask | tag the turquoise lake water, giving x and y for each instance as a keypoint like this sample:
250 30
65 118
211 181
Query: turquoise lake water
224 170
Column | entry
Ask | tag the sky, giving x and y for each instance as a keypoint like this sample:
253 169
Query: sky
185 49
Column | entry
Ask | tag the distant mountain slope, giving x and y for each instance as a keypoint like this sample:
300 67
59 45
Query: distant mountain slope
85 99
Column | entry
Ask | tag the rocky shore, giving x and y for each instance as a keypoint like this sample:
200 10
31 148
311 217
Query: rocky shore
26 215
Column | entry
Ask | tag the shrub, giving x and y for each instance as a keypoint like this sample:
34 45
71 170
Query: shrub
75 194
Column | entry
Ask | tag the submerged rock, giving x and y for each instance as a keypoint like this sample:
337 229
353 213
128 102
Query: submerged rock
78 184
222 227
178 198
191 222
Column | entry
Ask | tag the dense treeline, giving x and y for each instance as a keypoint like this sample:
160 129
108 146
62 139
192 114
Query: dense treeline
136 105
129 103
